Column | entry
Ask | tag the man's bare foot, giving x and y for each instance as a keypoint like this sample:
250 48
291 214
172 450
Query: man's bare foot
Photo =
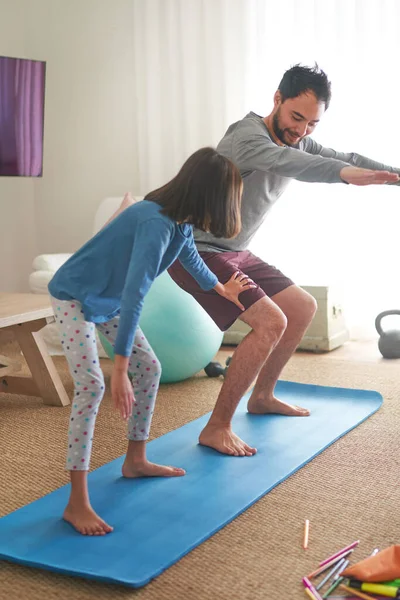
222 439
85 520
275 406
149 469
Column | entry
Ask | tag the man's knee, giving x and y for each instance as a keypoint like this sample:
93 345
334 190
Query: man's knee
267 320
307 307
297 304
273 327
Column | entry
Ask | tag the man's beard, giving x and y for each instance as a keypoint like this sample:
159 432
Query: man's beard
279 132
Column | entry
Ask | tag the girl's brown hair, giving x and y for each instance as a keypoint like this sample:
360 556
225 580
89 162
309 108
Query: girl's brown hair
206 193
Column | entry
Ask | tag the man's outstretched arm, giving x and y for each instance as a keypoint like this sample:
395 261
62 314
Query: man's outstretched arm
352 158
259 152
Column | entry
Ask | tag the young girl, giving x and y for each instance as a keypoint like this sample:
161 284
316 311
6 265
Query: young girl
103 285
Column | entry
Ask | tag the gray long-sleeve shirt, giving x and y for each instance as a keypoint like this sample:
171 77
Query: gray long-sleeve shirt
267 168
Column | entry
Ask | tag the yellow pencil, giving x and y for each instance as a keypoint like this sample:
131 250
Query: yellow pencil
309 594
306 532
356 592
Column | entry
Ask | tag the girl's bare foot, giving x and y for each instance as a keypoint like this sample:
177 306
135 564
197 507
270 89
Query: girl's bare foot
222 439
127 201
149 469
85 520
277 407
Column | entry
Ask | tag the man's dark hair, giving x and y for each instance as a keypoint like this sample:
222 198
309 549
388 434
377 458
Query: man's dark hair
207 193
299 80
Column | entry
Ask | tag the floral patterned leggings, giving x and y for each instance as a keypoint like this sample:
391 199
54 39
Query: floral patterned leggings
79 344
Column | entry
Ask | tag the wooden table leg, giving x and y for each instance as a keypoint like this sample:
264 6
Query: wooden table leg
45 381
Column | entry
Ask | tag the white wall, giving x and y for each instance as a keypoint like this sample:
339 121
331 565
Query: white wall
17 218
90 142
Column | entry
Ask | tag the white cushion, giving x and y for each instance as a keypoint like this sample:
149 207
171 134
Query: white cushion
49 262
39 280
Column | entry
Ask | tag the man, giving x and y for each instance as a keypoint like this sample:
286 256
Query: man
269 152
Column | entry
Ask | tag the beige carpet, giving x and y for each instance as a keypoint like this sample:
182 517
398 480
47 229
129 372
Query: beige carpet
349 492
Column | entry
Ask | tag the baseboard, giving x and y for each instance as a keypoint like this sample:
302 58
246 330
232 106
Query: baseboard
315 344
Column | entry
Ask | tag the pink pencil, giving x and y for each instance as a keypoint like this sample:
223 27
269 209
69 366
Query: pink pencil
308 585
353 545
326 566
306 534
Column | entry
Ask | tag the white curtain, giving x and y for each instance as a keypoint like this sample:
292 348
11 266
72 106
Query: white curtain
202 64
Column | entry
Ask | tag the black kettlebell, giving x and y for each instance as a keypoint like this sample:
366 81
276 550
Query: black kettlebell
389 341
215 369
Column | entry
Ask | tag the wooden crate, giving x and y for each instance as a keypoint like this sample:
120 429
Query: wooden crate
327 331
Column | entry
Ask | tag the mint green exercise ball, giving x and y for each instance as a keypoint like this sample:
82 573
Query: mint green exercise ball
183 336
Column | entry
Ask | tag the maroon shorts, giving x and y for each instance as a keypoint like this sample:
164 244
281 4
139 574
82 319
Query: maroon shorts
269 280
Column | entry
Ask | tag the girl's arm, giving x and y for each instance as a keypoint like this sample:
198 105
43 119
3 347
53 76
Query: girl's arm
191 260
151 242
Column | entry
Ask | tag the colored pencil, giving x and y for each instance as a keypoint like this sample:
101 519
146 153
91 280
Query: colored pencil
306 532
339 553
307 584
333 587
329 564
341 565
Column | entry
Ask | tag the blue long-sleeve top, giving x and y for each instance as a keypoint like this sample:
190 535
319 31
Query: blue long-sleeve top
114 270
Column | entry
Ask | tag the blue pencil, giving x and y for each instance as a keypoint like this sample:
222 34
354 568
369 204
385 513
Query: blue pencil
341 565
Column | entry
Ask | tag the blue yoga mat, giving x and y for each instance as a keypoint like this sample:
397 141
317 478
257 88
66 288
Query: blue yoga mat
157 521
